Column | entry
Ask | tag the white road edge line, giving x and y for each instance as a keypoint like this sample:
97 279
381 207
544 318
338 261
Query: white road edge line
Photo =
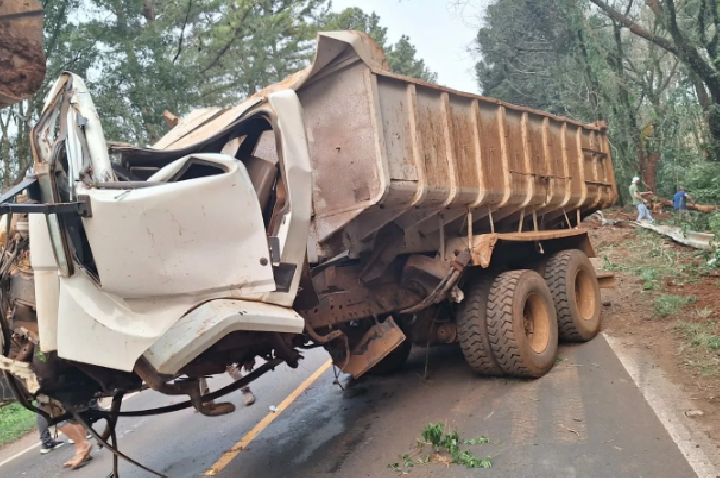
19 454
669 403
37 445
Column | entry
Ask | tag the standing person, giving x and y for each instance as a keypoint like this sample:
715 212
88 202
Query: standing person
47 442
235 372
679 200
76 434
639 201
83 448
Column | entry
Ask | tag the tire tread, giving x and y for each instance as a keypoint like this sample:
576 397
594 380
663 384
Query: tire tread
472 327
500 324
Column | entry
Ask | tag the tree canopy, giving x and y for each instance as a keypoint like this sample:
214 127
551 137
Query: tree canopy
649 69
142 57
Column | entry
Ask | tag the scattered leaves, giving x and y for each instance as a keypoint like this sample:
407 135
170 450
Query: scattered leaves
446 450
477 441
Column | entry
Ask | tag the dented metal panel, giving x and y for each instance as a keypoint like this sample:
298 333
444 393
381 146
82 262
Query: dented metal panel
442 152
206 324
376 344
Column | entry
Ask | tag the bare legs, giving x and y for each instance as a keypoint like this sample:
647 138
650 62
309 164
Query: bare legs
83 447
235 372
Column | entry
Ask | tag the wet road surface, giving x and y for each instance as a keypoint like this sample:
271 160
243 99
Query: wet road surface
586 418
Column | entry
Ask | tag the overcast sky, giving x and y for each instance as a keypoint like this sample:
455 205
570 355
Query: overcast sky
441 33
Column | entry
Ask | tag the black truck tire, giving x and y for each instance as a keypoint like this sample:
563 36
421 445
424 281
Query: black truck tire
576 294
522 324
472 328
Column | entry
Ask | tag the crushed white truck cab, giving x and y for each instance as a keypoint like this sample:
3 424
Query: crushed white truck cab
347 208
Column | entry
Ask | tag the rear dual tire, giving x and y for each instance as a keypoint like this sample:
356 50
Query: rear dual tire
508 325
522 324
472 329
576 293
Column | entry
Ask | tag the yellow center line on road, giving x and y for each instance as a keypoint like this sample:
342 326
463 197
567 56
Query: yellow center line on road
230 455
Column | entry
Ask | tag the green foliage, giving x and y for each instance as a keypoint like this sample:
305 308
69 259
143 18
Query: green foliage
567 58
527 58
703 344
434 434
702 348
15 421
701 179
193 53
695 221
477 441
401 56
668 304
140 58
357 19
648 277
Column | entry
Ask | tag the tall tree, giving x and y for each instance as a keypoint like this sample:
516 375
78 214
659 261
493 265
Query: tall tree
182 54
141 57
690 31
402 60
401 56
356 19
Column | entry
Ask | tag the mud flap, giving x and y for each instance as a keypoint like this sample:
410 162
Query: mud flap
375 345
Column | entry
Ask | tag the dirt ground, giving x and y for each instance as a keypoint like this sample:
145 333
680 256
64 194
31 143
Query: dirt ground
666 302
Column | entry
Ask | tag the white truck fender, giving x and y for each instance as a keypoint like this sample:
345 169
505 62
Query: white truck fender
205 325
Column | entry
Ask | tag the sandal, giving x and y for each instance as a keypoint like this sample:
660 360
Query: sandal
80 459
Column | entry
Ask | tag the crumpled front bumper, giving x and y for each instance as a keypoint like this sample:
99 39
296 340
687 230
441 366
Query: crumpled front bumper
207 324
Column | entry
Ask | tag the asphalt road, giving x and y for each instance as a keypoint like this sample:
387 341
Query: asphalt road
586 418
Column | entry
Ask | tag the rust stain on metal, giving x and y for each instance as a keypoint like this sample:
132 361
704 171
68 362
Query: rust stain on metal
483 249
447 333
606 280
22 58
375 345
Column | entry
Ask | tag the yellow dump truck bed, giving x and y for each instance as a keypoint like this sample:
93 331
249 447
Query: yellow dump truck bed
387 148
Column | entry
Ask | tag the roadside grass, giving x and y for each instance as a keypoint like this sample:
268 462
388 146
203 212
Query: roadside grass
667 304
15 421
651 259
655 262
703 343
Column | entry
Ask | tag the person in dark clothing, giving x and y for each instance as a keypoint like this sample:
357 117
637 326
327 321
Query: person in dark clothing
76 434
47 442
679 200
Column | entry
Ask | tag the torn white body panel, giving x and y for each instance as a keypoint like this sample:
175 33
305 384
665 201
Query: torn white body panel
295 224
207 324
89 149
187 237
101 329
47 284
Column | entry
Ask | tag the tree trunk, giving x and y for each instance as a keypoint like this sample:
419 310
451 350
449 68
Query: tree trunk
6 159
714 125
5 149
651 161
693 207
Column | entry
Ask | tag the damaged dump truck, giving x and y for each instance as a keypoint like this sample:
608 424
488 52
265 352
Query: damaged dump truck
347 208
